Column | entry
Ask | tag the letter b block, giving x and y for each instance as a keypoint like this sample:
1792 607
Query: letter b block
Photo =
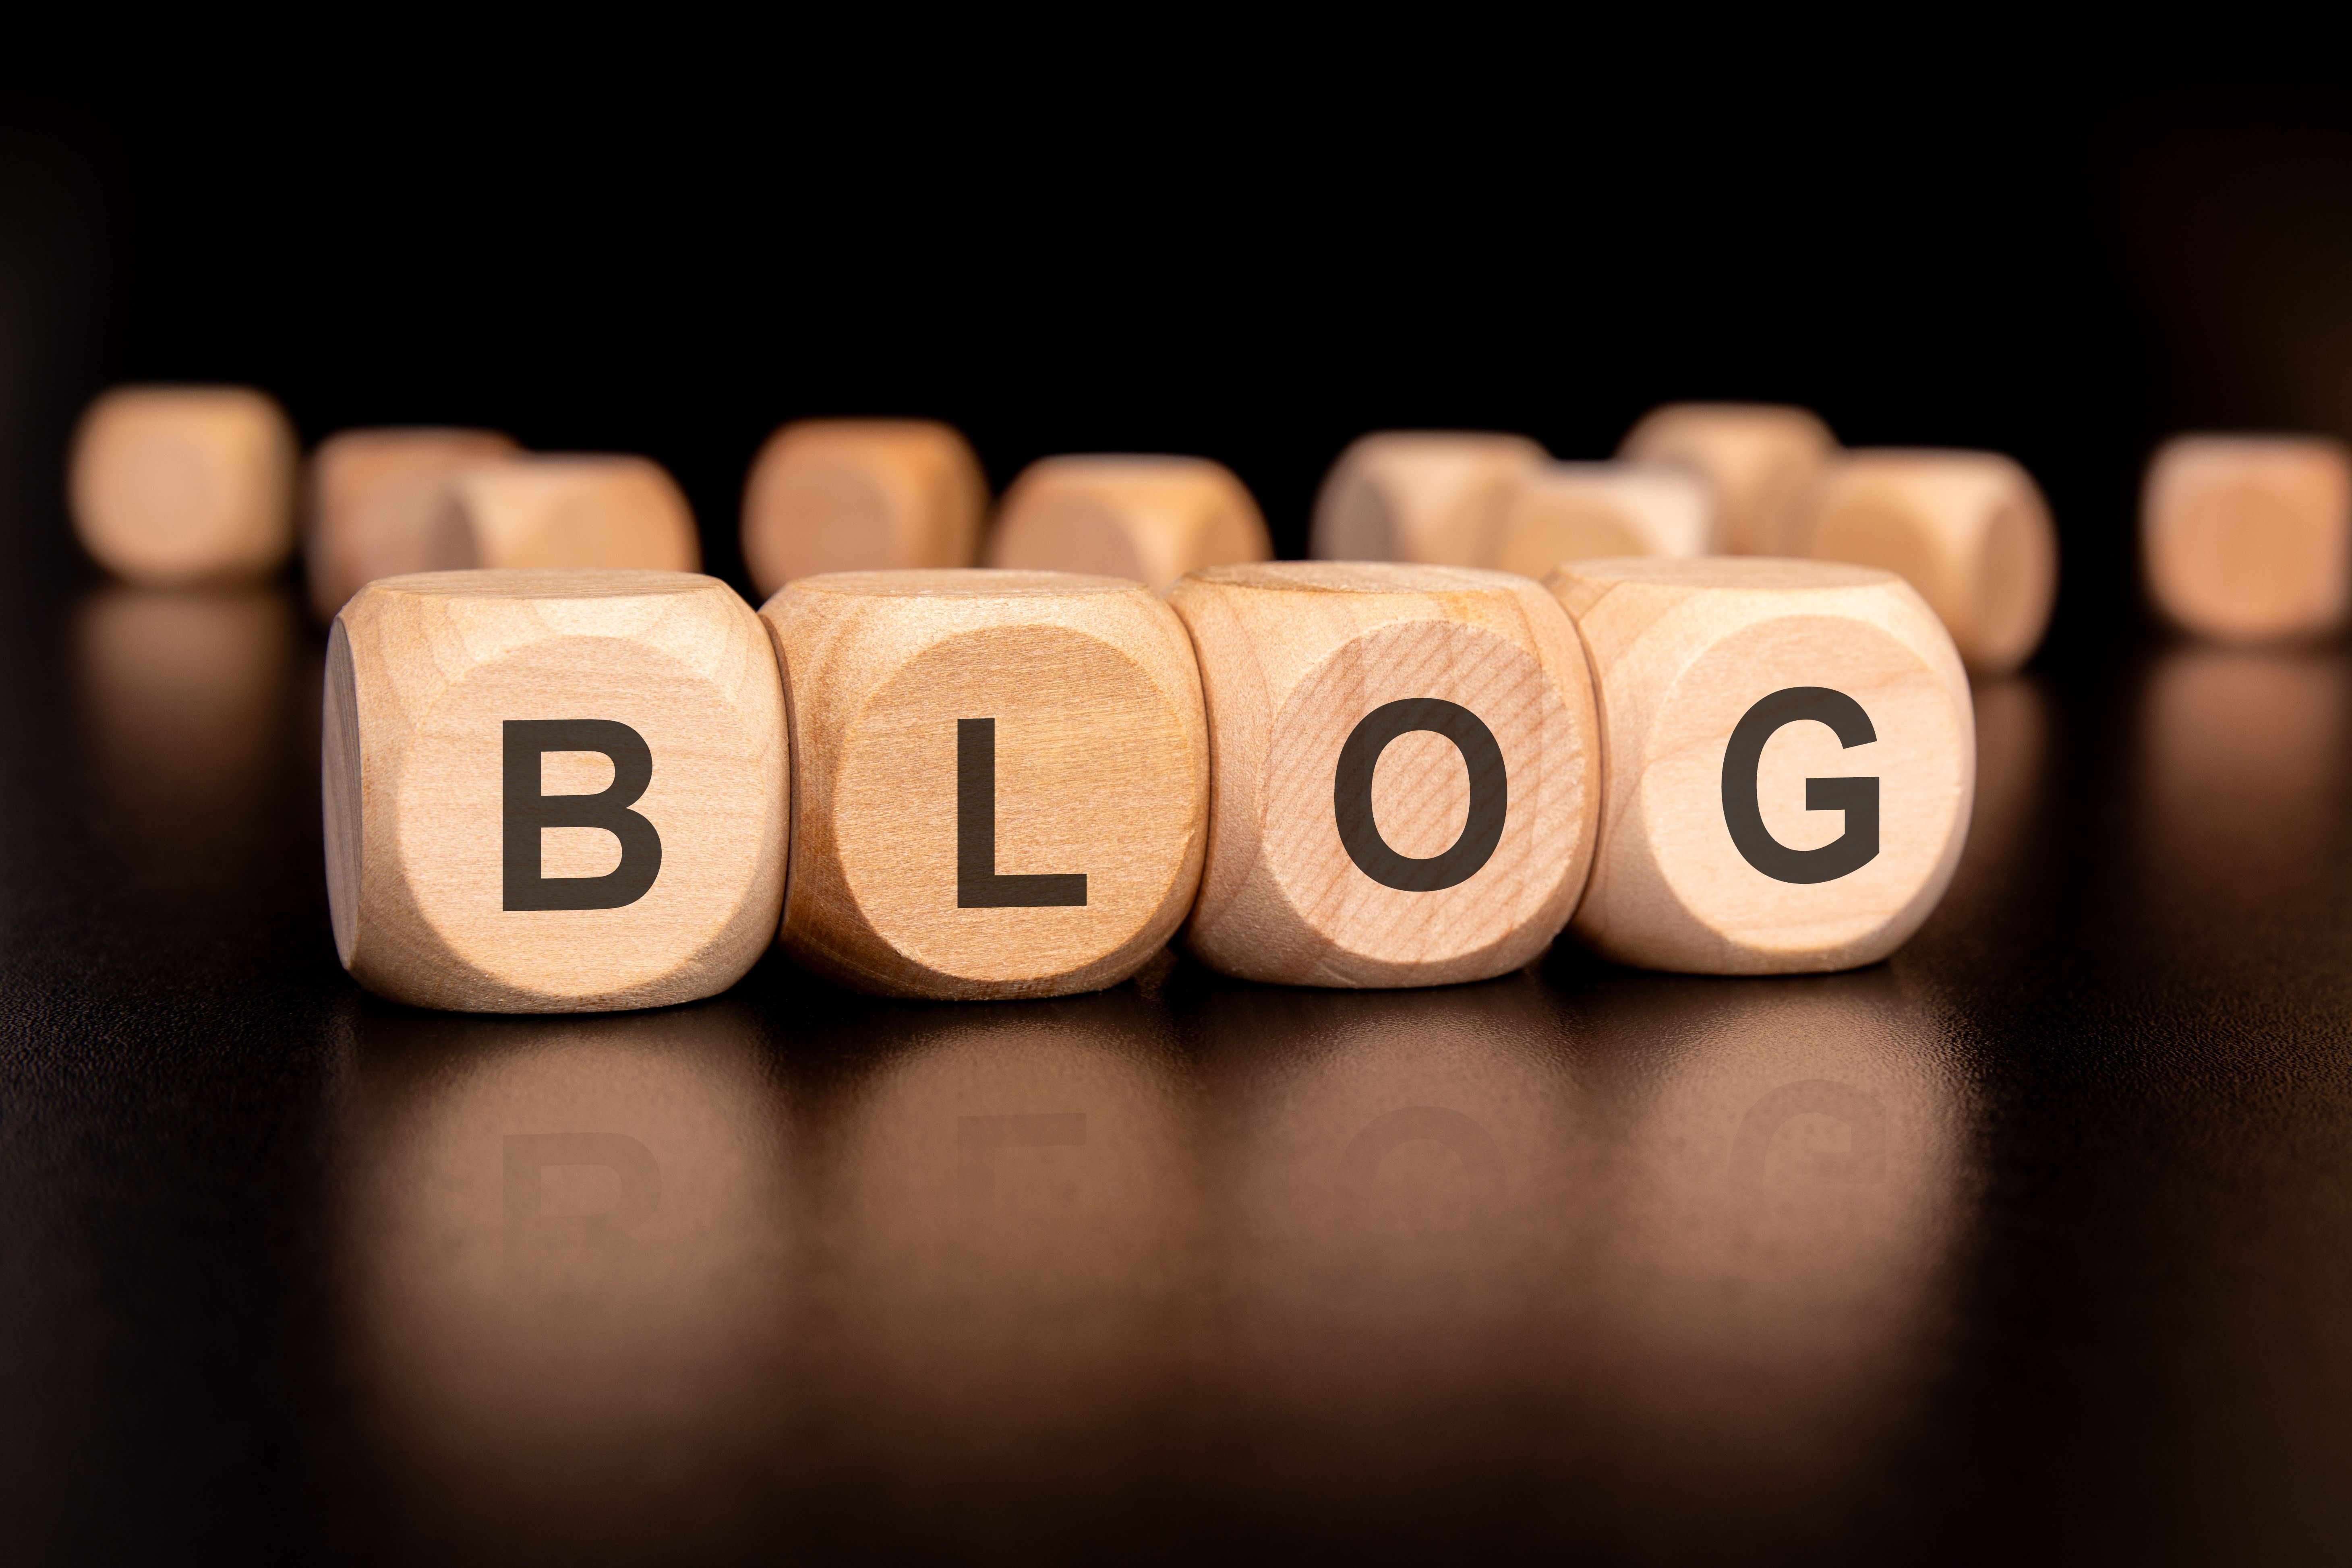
1407 771
552 791
1791 759
1001 779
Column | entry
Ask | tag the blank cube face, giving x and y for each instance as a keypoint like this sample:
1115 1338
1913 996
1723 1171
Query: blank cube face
552 791
1791 759
380 507
2249 538
1760 458
1434 497
1002 780
174 484
1150 518
1575 511
1407 771
586 512
1968 530
861 494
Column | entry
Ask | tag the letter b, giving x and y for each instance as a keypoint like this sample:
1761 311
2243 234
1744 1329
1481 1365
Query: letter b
528 811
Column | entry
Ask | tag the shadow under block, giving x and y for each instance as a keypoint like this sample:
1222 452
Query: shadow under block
861 494
1791 754
552 791
1001 779
1968 529
586 511
1574 511
177 484
379 507
1760 457
1150 518
1427 496
2248 538
1407 773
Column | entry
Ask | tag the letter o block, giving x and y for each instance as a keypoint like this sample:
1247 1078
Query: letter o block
1759 457
1430 497
1001 779
552 791
861 494
380 507
1151 518
2249 538
576 511
1575 511
1792 758
1408 771
177 484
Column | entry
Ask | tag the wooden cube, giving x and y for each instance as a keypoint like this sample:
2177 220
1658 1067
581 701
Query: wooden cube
1761 458
1968 529
1150 518
1407 771
379 507
552 791
2248 538
1791 757
174 485
861 494
1431 497
577 510
1575 511
1001 779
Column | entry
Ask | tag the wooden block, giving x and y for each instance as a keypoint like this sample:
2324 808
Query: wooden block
1150 518
1431 497
861 494
1968 529
1760 457
552 791
1001 779
1407 771
379 507
177 484
1575 511
2248 538
574 510
1791 758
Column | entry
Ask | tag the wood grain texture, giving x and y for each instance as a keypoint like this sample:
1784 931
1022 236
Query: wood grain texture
1150 518
2248 538
424 673
1101 770
1761 458
1295 656
1575 511
181 484
379 507
1682 651
1430 497
1968 529
573 511
861 494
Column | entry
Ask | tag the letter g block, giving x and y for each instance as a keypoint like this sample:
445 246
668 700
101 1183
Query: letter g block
1408 771
552 791
1791 759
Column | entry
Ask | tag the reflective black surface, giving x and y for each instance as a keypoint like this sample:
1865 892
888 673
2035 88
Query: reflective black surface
2035 1238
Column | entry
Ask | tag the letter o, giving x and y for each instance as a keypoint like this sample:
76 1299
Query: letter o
1351 795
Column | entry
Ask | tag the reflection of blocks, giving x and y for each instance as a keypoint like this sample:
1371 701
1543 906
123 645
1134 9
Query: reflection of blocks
1968 530
577 511
1575 511
1001 782
380 507
1792 754
1760 459
2248 538
184 483
1425 495
1150 518
1406 778
860 495
552 791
